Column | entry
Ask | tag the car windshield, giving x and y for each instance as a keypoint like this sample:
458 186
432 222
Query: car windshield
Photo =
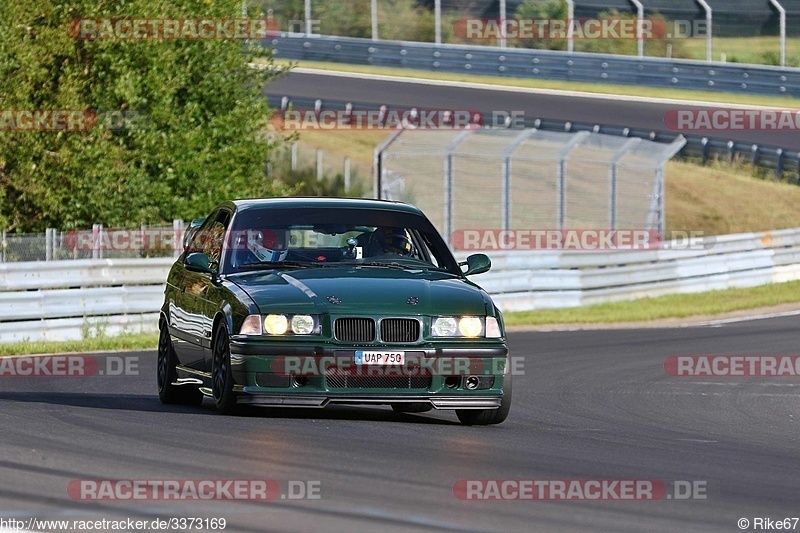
269 237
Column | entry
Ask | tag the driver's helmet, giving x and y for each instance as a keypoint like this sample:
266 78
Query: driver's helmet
397 240
268 245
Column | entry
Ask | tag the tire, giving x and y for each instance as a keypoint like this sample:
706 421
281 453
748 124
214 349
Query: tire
419 407
168 392
221 375
483 417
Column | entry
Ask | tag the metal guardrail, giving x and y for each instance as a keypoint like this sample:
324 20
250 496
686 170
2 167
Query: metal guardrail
784 162
522 281
114 296
543 64
79 298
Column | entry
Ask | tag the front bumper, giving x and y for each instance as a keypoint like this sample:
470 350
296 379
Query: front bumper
283 374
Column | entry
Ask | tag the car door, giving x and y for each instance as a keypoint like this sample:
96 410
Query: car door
201 302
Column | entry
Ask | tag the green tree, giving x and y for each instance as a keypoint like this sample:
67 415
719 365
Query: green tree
543 10
200 134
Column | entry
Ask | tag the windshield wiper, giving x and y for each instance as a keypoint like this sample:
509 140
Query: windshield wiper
393 264
278 264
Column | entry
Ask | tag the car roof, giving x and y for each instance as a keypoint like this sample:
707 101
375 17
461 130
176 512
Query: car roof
324 202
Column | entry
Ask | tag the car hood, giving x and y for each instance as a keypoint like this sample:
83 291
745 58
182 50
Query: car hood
362 291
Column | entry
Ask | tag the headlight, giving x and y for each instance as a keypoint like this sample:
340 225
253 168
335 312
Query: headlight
276 324
470 326
251 325
302 324
444 326
465 327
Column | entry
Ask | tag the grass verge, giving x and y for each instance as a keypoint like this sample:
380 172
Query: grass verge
138 341
670 306
755 50
786 102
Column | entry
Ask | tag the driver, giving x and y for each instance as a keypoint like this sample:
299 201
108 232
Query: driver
394 240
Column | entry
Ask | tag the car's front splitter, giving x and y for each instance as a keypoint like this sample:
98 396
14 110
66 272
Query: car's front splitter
438 402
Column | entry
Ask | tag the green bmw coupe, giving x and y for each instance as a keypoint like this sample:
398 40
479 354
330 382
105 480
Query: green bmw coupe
308 302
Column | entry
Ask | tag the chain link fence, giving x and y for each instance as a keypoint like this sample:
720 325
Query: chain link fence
493 179
96 243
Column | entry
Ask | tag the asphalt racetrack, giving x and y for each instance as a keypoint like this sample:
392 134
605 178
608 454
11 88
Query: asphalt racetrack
590 405
610 111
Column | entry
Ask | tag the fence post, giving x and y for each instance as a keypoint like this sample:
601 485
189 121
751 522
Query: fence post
308 17
373 10
614 163
377 163
503 26
5 245
177 232
570 29
48 244
319 164
639 27
448 184
95 241
562 175
506 175
294 157
709 34
100 242
346 175
782 12
437 20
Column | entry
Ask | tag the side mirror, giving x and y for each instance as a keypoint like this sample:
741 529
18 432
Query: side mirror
199 262
478 264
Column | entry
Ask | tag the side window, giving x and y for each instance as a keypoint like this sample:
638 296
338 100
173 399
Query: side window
196 243
215 236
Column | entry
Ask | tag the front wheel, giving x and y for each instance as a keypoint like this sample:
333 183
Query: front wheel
168 392
221 375
482 417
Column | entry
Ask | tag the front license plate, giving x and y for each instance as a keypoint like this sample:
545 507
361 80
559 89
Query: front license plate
380 358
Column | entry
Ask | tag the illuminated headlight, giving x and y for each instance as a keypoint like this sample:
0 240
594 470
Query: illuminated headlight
465 326
493 328
251 326
303 324
444 326
470 326
276 324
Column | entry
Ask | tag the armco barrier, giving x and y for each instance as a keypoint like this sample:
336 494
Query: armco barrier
543 64
79 298
113 296
522 281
